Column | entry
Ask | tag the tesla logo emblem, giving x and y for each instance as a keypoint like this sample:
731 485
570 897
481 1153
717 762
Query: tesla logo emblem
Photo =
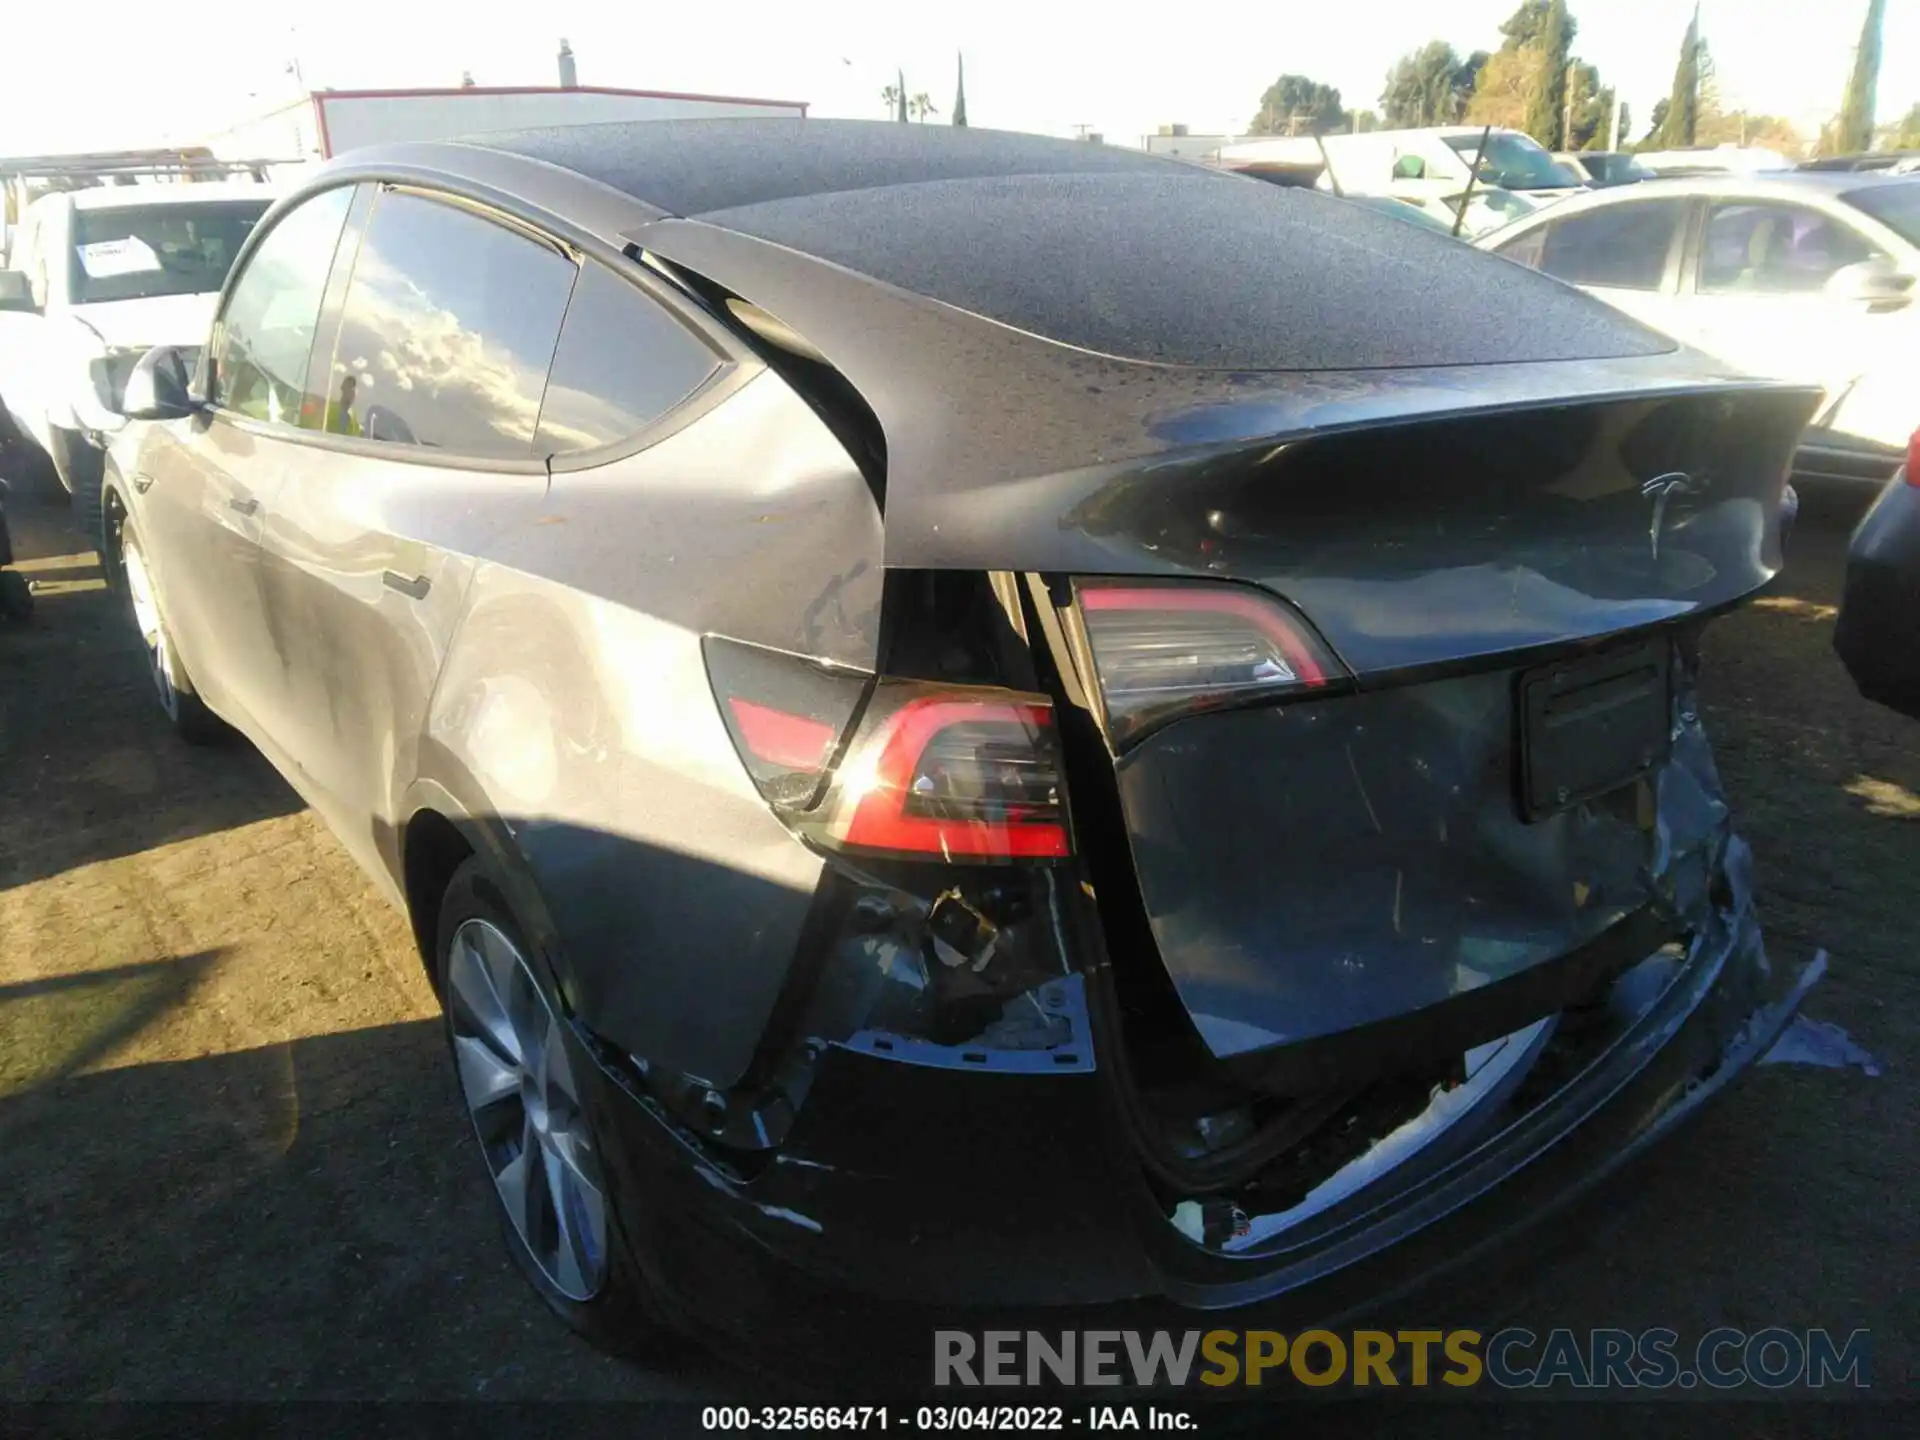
1660 489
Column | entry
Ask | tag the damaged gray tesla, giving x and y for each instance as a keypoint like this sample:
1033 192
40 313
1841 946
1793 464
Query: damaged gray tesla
971 724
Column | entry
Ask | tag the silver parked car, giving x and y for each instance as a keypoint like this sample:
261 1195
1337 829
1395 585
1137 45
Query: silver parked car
964 720
1801 275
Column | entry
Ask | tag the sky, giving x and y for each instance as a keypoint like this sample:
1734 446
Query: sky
126 73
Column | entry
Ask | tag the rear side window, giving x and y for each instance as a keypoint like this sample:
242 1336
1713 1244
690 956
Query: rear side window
266 330
448 329
1621 247
1775 249
623 362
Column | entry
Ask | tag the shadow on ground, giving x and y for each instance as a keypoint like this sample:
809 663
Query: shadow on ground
88 768
304 1219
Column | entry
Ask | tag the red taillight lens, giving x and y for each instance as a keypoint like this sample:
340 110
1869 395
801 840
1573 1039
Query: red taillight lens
785 715
790 742
1913 459
1163 650
954 774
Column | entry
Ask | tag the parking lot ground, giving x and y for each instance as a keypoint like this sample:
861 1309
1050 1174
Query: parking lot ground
235 1166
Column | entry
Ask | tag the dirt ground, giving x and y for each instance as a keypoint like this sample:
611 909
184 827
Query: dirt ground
232 1162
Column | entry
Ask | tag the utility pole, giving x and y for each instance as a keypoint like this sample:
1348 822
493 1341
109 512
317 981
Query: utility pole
1566 114
1613 126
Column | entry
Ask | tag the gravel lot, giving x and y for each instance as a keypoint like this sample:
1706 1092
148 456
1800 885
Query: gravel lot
235 1166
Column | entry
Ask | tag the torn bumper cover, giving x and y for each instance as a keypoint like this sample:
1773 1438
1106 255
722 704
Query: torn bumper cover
916 1185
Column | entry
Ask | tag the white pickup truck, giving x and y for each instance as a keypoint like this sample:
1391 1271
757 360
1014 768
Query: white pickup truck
94 279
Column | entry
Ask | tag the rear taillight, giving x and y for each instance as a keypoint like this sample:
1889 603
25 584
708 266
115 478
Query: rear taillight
1913 460
965 773
785 714
951 773
1162 650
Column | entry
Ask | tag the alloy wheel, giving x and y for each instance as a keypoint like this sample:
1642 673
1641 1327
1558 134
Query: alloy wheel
520 1091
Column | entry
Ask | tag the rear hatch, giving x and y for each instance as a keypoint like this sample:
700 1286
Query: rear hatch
1396 753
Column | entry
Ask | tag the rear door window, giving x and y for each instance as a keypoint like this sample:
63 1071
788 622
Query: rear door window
623 362
266 329
447 332
1620 247
1770 249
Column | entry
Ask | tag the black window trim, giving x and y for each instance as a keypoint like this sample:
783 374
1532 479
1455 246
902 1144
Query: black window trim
733 369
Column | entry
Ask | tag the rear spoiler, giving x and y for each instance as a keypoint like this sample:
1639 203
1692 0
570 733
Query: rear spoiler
996 455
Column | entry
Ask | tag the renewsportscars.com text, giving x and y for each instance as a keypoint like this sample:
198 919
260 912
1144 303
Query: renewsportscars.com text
1775 1358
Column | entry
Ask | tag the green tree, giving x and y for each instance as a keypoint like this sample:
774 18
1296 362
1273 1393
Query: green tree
1503 91
1853 131
1365 120
1527 24
1294 104
1546 114
1680 123
1590 110
1656 125
1904 133
960 94
1429 86
921 106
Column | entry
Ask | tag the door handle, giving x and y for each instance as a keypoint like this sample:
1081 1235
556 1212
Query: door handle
245 504
142 484
414 587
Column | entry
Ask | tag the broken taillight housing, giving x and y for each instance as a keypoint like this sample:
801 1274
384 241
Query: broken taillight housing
946 772
1163 650
958 774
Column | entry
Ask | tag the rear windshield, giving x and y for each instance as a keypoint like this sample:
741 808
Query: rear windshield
1895 206
1616 167
1514 162
148 250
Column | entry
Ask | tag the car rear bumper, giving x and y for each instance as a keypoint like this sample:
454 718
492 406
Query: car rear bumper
910 1198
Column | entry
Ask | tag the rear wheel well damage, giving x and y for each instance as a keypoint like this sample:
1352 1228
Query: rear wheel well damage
432 850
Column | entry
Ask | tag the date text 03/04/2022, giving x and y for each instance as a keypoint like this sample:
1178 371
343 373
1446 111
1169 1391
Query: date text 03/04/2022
933 1418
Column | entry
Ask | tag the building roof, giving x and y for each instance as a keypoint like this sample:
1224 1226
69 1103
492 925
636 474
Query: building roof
692 167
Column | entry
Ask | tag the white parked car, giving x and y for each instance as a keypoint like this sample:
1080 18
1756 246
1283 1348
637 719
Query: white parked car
95 278
1805 275
1429 168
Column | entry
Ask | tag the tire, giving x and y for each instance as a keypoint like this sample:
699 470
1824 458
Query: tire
89 482
78 463
192 721
16 596
480 956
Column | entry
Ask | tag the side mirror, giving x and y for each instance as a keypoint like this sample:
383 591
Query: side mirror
1878 282
159 386
16 292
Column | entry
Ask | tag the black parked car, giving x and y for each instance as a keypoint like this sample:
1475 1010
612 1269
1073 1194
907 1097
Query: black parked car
1878 631
965 722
